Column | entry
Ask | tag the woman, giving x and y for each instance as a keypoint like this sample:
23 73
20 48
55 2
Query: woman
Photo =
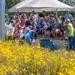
18 29
23 20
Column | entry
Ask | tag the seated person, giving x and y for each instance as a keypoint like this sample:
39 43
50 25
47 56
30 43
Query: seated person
60 34
52 34
44 28
47 32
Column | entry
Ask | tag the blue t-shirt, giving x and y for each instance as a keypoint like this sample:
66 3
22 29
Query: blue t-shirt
68 16
51 23
30 33
41 25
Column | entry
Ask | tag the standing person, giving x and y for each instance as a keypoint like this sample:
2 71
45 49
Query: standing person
70 33
18 27
73 21
28 22
23 20
68 16
42 14
32 20
10 28
6 27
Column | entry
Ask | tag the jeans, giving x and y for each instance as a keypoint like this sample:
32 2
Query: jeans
70 46
29 39
74 42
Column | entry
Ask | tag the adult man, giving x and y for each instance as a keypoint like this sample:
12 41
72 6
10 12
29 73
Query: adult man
74 34
42 14
70 33
68 16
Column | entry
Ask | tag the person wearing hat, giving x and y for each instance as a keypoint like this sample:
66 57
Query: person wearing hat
70 33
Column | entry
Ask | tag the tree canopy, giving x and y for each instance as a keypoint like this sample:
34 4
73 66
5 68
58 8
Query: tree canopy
11 3
69 2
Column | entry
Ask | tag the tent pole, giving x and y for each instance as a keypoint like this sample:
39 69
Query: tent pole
56 13
2 19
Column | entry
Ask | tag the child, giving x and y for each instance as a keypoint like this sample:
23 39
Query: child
10 33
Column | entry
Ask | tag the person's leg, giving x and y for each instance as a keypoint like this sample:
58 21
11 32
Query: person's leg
70 39
73 42
28 40
32 37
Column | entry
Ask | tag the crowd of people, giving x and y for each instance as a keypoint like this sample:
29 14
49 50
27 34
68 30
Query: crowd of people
40 25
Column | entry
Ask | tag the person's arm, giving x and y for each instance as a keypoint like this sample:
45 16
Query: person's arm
74 30
20 26
68 29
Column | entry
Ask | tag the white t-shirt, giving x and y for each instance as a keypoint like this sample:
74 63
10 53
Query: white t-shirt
10 30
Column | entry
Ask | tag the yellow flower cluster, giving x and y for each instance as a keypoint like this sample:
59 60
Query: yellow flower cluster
18 59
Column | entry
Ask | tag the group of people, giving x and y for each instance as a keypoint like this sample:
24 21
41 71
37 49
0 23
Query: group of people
38 25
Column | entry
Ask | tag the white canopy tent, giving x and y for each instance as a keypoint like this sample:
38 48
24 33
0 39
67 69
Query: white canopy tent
40 5
47 5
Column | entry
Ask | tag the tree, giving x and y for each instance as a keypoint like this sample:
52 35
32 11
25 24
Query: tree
11 3
69 2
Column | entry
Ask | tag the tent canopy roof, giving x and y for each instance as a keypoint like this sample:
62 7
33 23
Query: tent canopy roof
40 5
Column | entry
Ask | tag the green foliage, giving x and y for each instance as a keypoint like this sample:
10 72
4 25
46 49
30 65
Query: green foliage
11 3
69 2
